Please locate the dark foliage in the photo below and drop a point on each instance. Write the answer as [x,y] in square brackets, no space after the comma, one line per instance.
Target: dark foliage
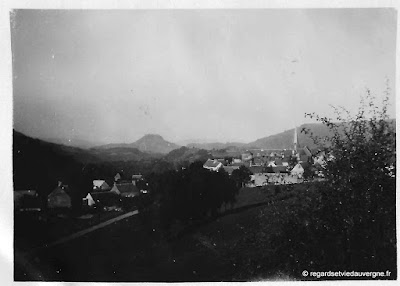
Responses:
[351,222]
[191,194]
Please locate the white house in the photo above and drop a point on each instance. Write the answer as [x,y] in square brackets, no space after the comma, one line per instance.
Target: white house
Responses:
[212,165]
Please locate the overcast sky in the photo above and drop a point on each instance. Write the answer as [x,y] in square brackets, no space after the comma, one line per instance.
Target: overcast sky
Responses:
[226,75]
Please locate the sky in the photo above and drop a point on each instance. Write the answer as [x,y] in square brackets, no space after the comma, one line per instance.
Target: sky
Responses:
[111,76]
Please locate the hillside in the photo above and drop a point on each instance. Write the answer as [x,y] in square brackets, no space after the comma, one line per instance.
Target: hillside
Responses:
[215,145]
[121,154]
[39,164]
[187,154]
[74,142]
[284,140]
[150,143]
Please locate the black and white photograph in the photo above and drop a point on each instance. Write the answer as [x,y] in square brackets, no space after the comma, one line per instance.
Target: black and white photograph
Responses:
[202,144]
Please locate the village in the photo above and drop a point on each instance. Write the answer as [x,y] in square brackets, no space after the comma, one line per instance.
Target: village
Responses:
[267,167]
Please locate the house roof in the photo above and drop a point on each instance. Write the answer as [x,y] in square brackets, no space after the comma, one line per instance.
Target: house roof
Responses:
[211,163]
[304,164]
[137,177]
[278,161]
[237,164]
[279,169]
[304,152]
[98,183]
[256,169]
[230,169]
[127,188]
[287,153]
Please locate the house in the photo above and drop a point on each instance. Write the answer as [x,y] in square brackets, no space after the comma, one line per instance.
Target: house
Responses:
[230,169]
[88,200]
[117,177]
[100,185]
[297,171]
[59,198]
[27,200]
[212,165]
[260,179]
[236,160]
[127,190]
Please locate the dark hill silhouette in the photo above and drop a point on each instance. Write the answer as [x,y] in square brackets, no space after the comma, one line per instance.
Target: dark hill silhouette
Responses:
[187,154]
[39,165]
[284,140]
[150,143]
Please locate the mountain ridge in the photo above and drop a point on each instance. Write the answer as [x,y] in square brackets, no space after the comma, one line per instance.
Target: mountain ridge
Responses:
[149,143]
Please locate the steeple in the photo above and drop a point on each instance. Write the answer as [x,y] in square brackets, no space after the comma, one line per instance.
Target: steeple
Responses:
[295,140]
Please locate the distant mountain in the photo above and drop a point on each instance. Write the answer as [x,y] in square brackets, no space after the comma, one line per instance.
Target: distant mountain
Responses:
[150,143]
[215,145]
[284,140]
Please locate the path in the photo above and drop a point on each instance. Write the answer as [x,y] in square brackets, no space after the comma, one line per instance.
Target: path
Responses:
[86,231]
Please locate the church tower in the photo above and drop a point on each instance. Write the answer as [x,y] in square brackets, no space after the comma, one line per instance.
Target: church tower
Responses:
[295,143]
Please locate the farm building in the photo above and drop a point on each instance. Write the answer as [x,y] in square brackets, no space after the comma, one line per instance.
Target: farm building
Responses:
[59,198]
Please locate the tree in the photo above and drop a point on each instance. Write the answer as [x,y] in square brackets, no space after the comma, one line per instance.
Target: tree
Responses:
[241,176]
[358,197]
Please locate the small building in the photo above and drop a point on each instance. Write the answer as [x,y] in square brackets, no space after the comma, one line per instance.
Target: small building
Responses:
[101,185]
[127,190]
[88,200]
[212,165]
[27,200]
[117,177]
[59,198]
